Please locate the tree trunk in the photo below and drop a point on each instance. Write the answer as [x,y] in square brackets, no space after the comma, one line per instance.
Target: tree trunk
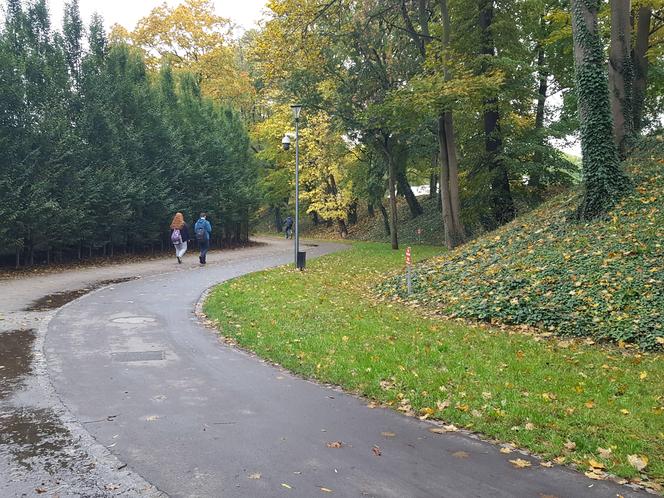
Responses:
[18,256]
[370,209]
[604,180]
[640,66]
[433,185]
[621,74]
[500,197]
[391,185]
[407,192]
[343,229]
[449,186]
[386,219]
[542,74]
[352,213]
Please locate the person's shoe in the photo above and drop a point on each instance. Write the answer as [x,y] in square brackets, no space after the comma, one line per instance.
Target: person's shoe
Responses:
[179,260]
[200,260]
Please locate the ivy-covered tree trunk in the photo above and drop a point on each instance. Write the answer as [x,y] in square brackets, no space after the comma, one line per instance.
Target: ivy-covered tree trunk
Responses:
[604,180]
[640,62]
[501,203]
[621,74]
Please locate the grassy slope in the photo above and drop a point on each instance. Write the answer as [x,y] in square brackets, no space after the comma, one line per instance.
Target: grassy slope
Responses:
[564,401]
[603,279]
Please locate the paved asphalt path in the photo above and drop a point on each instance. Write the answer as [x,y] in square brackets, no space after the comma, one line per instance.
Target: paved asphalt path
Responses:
[195,417]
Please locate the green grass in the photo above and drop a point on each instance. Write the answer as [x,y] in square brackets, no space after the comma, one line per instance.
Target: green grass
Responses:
[536,393]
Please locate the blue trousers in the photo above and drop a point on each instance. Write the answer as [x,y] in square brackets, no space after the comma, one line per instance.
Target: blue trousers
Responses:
[204,247]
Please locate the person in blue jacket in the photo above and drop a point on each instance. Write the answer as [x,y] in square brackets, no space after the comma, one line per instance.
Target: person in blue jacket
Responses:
[203,231]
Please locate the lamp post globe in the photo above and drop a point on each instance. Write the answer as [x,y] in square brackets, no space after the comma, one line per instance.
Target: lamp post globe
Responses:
[285,142]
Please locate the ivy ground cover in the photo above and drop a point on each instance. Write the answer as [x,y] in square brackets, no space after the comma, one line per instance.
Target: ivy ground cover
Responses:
[602,279]
[598,408]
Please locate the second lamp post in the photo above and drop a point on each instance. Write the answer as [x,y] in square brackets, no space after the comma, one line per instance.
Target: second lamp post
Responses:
[300,257]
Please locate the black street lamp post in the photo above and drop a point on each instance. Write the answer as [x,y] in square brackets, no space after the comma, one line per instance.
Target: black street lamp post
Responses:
[300,257]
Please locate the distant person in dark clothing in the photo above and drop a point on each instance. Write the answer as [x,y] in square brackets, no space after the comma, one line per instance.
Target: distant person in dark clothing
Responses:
[288,227]
[179,236]
[203,230]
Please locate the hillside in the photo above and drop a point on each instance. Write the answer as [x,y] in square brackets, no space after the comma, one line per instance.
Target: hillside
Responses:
[602,279]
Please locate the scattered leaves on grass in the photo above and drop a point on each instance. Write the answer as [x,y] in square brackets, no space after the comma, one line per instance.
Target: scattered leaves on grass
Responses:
[605,452]
[639,462]
[595,474]
[520,463]
[570,445]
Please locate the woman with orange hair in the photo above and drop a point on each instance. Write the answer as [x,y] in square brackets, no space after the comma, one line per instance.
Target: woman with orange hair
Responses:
[179,236]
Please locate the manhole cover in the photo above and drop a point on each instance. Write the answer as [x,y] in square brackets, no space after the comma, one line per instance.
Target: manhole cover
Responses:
[126,356]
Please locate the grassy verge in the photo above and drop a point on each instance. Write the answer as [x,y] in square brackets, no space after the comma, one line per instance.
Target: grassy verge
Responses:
[562,399]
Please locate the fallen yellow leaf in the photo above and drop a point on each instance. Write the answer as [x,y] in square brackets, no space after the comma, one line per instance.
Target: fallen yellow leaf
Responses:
[519,463]
[326,490]
[639,462]
[605,452]
[595,464]
[570,445]
[388,434]
[643,375]
[444,429]
[590,404]
[286,485]
[593,475]
[505,450]
[624,411]
[255,475]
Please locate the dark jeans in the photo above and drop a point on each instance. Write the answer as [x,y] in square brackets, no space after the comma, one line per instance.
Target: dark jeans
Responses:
[204,247]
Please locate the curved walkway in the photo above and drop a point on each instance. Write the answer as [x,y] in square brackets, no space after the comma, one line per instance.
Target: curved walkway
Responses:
[195,417]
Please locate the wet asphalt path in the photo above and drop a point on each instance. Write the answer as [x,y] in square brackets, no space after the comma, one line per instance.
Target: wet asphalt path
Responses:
[195,417]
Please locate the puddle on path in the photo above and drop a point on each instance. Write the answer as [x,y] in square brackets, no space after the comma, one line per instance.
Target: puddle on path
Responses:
[15,359]
[54,301]
[35,437]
